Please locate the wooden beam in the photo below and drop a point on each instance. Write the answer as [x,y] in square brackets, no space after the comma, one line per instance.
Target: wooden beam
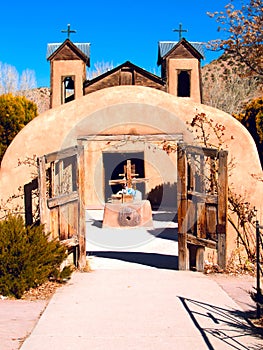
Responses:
[43,208]
[201,242]
[183,262]
[202,197]
[65,153]
[63,199]
[81,208]
[222,208]
[148,137]
[197,150]
[71,242]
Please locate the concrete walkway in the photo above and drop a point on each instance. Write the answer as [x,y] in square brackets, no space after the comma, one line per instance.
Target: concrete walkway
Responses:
[142,309]
[136,299]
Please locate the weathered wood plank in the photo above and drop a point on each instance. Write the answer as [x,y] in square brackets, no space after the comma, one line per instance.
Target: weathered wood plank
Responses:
[63,222]
[182,209]
[211,220]
[65,153]
[43,208]
[201,220]
[197,150]
[200,181]
[81,208]
[63,199]
[70,242]
[202,197]
[222,207]
[191,217]
[201,242]
[54,222]
[191,174]
[149,137]
[73,219]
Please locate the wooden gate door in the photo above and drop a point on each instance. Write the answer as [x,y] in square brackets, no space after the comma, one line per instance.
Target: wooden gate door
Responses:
[202,204]
[61,193]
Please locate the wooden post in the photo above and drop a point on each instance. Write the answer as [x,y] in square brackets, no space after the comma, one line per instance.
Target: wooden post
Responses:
[182,209]
[222,209]
[81,207]
[43,208]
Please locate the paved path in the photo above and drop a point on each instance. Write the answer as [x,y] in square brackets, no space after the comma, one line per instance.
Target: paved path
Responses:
[136,299]
[142,309]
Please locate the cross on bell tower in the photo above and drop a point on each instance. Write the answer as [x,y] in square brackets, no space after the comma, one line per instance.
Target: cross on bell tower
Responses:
[69,31]
[180,31]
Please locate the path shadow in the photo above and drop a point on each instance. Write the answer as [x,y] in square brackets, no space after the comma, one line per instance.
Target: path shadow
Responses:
[97,223]
[165,215]
[165,233]
[230,326]
[160,261]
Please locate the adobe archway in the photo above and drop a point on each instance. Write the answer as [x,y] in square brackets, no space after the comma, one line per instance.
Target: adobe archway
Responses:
[121,110]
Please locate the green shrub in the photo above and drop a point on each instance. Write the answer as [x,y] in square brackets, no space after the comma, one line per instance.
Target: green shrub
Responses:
[27,257]
[15,113]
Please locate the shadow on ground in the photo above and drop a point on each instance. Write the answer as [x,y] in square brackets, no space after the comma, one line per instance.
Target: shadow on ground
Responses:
[160,261]
[230,326]
[165,233]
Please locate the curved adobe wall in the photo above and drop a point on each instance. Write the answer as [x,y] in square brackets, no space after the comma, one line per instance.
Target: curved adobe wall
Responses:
[126,109]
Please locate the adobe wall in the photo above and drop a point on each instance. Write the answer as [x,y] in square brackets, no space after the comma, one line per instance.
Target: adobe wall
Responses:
[124,110]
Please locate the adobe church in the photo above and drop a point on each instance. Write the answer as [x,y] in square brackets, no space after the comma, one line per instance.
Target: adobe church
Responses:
[129,123]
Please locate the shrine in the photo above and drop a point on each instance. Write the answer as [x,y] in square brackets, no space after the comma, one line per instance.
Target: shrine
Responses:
[104,136]
[126,208]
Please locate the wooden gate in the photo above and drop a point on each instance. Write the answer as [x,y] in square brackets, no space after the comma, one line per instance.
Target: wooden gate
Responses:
[202,204]
[61,194]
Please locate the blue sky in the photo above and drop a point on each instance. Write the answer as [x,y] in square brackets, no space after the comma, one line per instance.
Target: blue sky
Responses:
[118,31]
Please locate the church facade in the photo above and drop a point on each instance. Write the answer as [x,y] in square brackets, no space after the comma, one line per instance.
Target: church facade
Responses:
[95,126]
[180,71]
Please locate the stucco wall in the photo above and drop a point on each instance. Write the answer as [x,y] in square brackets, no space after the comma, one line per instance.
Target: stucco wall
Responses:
[124,110]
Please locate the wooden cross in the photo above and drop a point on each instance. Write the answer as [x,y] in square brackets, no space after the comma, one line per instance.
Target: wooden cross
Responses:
[180,31]
[68,31]
[129,173]
[129,176]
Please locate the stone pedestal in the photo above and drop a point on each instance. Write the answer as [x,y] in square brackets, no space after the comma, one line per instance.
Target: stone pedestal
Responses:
[127,215]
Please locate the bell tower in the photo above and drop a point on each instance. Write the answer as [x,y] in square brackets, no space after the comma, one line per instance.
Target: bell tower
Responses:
[68,63]
[181,68]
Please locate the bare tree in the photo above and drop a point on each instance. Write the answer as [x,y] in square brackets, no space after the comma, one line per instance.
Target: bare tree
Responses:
[244,34]
[10,81]
[8,78]
[100,68]
[27,80]
[226,90]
